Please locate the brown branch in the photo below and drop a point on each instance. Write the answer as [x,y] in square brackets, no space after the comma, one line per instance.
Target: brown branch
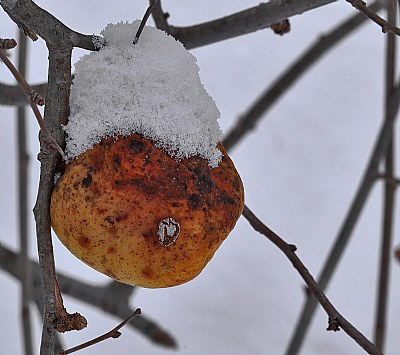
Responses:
[386,26]
[248,121]
[238,24]
[112,298]
[335,320]
[113,333]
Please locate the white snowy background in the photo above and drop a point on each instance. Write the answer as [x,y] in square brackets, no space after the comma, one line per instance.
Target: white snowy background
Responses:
[300,169]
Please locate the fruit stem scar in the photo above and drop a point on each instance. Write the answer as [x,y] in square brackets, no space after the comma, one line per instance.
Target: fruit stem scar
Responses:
[168,231]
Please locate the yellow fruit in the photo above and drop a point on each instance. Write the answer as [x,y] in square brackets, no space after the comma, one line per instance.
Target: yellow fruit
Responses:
[130,211]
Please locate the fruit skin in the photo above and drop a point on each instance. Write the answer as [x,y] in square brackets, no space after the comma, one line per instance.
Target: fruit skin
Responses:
[108,205]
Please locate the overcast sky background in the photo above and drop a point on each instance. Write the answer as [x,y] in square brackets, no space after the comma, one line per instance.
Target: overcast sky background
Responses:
[300,169]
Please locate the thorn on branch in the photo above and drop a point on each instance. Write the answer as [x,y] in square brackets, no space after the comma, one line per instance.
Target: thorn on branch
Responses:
[7,43]
[281,28]
[37,98]
[333,325]
[64,321]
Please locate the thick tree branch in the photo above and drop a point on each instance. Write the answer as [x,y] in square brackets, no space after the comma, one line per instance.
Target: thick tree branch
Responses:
[114,298]
[336,320]
[238,24]
[248,121]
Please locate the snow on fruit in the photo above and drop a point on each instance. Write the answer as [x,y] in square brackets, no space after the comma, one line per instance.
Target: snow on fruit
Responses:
[149,193]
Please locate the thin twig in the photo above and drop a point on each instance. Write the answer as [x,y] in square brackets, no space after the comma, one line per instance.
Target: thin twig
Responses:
[51,143]
[26,275]
[248,121]
[386,26]
[390,188]
[336,320]
[144,20]
[113,333]
[343,236]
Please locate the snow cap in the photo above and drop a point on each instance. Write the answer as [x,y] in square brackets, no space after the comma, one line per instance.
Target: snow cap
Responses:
[152,88]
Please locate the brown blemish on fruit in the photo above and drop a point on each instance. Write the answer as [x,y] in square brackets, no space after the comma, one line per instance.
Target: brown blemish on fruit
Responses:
[84,241]
[136,146]
[194,201]
[87,181]
[111,250]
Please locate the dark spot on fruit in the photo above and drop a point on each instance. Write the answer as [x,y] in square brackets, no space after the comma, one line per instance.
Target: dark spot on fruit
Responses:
[149,234]
[117,161]
[136,146]
[84,241]
[148,272]
[210,228]
[226,199]
[121,217]
[111,250]
[194,201]
[109,220]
